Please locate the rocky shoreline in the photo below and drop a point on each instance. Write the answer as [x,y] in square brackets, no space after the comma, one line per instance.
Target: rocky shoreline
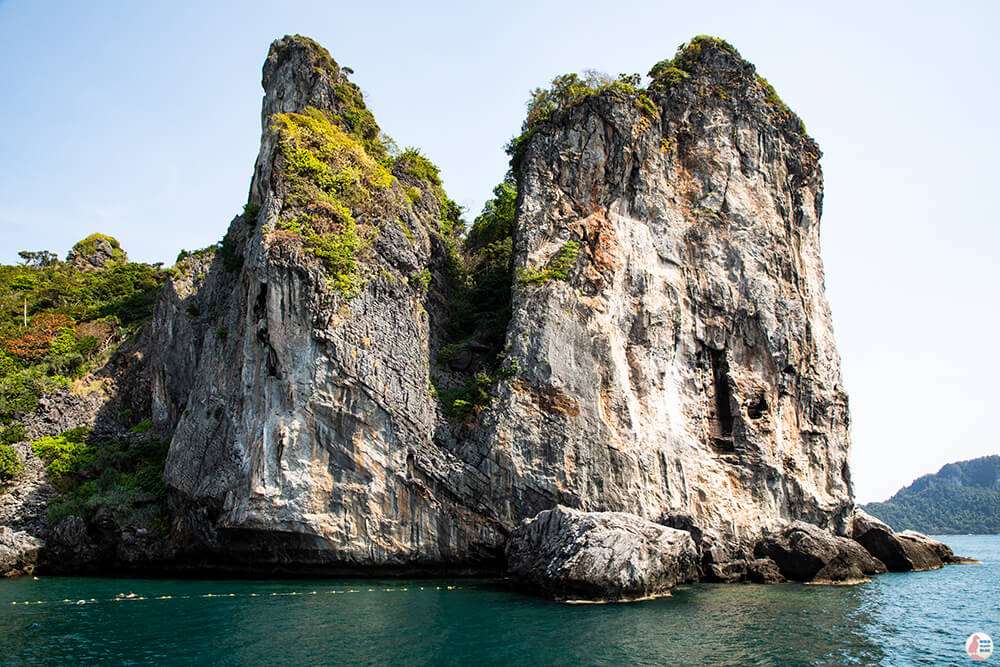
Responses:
[656,400]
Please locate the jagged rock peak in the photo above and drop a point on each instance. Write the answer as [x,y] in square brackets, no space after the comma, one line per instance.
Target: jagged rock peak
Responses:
[714,70]
[299,74]
[95,252]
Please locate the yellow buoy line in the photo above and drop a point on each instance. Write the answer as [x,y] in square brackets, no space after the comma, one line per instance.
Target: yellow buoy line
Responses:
[132,597]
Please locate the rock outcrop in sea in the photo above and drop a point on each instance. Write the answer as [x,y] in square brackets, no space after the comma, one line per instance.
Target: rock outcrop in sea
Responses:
[667,405]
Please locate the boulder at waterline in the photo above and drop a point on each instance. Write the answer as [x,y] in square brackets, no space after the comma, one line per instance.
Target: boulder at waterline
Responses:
[804,552]
[599,555]
[18,552]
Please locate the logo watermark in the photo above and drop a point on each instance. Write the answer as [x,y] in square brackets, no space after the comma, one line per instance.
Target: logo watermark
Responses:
[979,646]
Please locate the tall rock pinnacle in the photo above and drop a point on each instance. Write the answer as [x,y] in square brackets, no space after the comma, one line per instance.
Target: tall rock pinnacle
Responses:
[670,352]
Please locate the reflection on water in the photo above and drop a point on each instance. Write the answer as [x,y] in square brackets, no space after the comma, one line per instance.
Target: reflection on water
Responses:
[900,619]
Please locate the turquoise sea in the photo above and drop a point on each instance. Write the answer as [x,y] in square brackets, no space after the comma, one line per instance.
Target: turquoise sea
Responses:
[897,619]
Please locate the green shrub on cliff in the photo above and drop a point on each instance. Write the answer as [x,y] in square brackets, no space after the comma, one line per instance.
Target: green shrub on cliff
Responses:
[556,268]
[479,305]
[64,455]
[120,479]
[329,173]
[10,463]
[567,91]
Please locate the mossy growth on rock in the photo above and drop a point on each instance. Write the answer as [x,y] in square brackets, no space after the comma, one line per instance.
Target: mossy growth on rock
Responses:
[328,175]
[352,114]
[97,251]
[556,268]
[685,61]
[689,58]
[568,91]
[89,245]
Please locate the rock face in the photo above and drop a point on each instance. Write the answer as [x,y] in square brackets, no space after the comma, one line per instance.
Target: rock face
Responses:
[18,552]
[95,252]
[903,551]
[880,541]
[303,422]
[600,555]
[690,346]
[804,552]
[684,364]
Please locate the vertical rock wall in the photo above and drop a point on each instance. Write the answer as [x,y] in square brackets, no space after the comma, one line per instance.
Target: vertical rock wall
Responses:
[302,416]
[687,362]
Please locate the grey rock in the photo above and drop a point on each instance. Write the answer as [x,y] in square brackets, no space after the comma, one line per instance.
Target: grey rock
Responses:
[880,541]
[306,436]
[763,571]
[103,254]
[686,365]
[70,548]
[18,552]
[804,552]
[926,553]
[903,551]
[691,336]
[599,555]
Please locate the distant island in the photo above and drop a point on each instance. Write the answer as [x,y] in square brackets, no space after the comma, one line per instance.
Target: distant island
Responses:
[962,497]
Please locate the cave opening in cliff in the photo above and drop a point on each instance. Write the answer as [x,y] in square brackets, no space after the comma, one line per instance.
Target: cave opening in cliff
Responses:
[722,423]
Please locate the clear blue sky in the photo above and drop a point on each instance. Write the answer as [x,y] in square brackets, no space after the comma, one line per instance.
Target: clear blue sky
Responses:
[142,120]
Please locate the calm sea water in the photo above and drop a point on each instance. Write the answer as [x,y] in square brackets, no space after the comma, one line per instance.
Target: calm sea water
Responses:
[897,619]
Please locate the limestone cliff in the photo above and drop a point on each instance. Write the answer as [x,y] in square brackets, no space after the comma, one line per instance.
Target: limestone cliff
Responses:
[686,363]
[294,371]
[670,351]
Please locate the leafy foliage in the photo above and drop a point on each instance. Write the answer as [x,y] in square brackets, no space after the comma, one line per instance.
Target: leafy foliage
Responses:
[415,164]
[121,479]
[72,316]
[557,268]
[10,463]
[480,302]
[328,174]
[960,498]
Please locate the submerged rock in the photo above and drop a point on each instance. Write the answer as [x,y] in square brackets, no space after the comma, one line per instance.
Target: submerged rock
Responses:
[804,552]
[599,555]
